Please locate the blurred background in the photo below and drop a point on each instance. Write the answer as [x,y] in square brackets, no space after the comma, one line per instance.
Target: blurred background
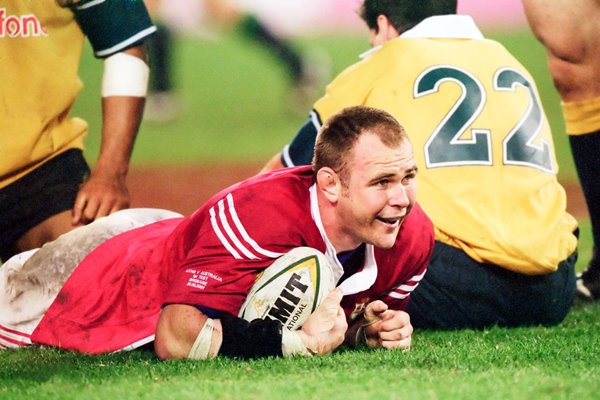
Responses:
[234,95]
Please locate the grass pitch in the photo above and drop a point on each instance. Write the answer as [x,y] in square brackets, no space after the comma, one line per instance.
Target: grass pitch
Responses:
[527,363]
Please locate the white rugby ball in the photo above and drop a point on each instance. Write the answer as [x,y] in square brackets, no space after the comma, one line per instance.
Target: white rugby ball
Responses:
[290,289]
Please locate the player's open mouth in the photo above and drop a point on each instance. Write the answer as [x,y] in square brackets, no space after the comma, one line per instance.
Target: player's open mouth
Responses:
[392,222]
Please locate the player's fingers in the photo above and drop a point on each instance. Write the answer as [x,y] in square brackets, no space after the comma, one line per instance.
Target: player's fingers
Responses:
[389,314]
[333,299]
[403,344]
[78,207]
[88,214]
[331,304]
[340,323]
[121,203]
[374,311]
[376,307]
[325,316]
[396,334]
[104,208]
[115,208]
[393,319]
[101,212]
[338,330]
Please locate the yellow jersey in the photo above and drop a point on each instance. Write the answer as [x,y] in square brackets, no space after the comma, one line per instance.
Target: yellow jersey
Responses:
[40,49]
[482,142]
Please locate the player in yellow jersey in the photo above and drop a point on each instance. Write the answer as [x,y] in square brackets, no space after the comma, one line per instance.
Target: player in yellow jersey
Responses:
[571,34]
[505,246]
[46,187]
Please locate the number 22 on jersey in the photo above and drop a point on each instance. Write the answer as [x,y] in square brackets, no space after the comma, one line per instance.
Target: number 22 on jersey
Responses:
[446,146]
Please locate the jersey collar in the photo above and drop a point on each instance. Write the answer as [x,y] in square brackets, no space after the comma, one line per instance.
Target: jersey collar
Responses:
[439,27]
[361,280]
[445,27]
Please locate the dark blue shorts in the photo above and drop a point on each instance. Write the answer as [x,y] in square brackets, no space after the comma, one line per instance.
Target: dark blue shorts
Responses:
[44,192]
[458,292]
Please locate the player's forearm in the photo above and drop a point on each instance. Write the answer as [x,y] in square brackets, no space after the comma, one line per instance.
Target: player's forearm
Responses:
[185,332]
[120,124]
[124,85]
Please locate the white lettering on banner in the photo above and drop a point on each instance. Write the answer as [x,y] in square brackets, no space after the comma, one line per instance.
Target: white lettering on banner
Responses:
[20,26]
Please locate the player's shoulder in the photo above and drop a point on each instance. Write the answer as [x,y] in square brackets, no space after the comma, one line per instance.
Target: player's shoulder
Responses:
[268,208]
[286,181]
[282,191]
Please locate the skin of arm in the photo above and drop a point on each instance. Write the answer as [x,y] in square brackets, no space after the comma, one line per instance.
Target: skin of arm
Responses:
[273,164]
[106,191]
[179,325]
[573,59]
[177,329]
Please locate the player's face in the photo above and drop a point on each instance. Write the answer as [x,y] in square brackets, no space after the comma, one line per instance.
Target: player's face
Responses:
[380,191]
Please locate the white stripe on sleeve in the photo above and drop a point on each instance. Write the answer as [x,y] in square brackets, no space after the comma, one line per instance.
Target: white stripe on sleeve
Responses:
[404,290]
[90,4]
[287,160]
[244,233]
[120,46]
[232,236]
[215,225]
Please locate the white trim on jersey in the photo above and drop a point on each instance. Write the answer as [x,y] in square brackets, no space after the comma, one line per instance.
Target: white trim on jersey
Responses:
[244,233]
[438,27]
[137,344]
[229,231]
[314,117]
[120,46]
[90,4]
[404,290]
[365,278]
[232,240]
[445,27]
[285,153]
[287,160]
[330,251]
[10,338]
[215,225]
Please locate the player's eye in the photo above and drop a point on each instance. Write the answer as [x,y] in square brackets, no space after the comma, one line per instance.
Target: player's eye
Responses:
[408,179]
[383,182]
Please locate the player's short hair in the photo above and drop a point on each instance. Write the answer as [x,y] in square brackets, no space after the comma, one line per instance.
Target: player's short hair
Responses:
[340,132]
[404,14]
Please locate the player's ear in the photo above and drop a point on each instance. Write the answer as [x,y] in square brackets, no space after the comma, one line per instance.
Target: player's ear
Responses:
[385,29]
[328,182]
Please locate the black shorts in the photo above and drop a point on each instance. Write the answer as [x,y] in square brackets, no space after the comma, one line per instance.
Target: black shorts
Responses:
[44,192]
[458,292]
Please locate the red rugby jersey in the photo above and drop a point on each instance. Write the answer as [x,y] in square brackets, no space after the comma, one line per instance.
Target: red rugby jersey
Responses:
[212,258]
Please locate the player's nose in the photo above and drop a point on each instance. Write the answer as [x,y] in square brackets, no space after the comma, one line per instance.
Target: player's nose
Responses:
[399,196]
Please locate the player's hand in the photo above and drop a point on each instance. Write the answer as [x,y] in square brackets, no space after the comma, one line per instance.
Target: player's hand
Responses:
[101,195]
[325,329]
[386,328]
